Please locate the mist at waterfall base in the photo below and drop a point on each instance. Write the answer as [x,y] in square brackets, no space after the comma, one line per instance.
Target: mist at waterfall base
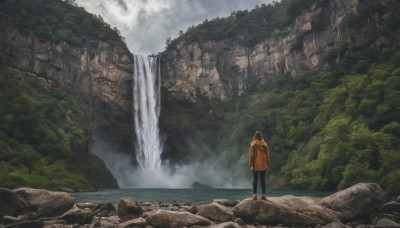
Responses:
[151,171]
[208,172]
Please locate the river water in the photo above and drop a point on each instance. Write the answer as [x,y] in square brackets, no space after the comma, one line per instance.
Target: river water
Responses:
[189,195]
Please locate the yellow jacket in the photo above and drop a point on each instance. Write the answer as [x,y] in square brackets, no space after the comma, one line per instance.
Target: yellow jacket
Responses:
[259,155]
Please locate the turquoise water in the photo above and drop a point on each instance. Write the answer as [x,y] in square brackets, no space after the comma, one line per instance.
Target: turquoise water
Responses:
[194,196]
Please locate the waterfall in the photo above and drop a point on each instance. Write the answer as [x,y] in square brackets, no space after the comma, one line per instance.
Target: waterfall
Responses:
[151,173]
[146,110]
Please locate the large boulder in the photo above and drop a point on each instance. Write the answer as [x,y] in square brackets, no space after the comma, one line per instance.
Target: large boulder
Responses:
[104,210]
[171,219]
[216,212]
[356,201]
[307,205]
[129,208]
[267,212]
[10,203]
[76,215]
[46,203]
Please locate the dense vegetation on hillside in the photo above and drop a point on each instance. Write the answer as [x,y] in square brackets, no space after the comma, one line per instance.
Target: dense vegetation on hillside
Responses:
[327,131]
[56,20]
[248,27]
[44,138]
[45,134]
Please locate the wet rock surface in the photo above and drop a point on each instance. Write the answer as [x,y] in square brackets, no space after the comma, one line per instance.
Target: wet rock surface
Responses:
[364,205]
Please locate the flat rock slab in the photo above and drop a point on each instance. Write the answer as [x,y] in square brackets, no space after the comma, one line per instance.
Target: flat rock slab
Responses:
[138,222]
[46,203]
[162,218]
[216,212]
[268,213]
[227,225]
[307,205]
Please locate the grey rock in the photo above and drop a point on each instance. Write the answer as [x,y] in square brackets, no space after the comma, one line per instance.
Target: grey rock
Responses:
[46,203]
[7,220]
[86,205]
[390,207]
[216,212]
[227,225]
[307,205]
[27,224]
[365,226]
[104,210]
[356,201]
[335,225]
[192,209]
[129,208]
[138,222]
[76,215]
[240,221]
[267,212]
[385,222]
[10,203]
[163,218]
[111,221]
[54,223]
[226,202]
[26,217]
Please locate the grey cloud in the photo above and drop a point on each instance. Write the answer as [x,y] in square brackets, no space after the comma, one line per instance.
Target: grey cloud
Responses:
[149,28]
[123,4]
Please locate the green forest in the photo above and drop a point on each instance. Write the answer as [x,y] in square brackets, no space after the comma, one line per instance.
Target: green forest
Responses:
[250,27]
[45,133]
[57,21]
[44,138]
[326,131]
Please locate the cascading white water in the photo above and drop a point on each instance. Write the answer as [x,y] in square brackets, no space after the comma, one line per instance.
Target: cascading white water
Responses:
[149,146]
[146,110]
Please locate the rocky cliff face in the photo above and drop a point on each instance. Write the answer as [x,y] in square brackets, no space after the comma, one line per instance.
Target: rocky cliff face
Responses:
[100,74]
[221,70]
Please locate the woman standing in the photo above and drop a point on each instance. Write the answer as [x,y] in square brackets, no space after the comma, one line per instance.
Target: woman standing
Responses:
[259,162]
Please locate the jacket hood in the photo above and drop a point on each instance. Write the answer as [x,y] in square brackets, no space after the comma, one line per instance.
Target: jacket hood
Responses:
[258,142]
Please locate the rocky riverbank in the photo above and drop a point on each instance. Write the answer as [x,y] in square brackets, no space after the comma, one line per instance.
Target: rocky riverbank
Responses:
[362,205]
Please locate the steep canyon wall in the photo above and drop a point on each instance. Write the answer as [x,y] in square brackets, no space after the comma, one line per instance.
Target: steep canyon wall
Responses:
[220,70]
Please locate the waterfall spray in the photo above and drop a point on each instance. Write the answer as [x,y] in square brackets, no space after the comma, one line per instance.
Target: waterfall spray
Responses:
[151,173]
[146,110]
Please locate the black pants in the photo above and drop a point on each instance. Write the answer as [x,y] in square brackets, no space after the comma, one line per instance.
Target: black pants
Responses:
[255,181]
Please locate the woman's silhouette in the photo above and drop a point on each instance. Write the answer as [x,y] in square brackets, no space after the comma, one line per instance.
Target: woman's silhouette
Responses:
[259,162]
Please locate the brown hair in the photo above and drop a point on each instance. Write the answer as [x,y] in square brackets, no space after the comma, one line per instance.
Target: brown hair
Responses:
[258,136]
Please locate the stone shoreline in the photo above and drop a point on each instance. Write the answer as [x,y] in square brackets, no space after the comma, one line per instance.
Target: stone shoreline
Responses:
[363,205]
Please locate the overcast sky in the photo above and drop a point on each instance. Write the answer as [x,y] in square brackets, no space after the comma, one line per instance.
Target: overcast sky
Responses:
[146,24]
